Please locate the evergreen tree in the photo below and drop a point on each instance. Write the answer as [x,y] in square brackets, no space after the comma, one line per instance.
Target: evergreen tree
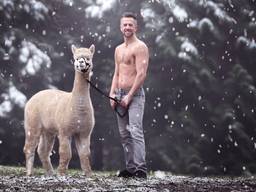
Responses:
[210,115]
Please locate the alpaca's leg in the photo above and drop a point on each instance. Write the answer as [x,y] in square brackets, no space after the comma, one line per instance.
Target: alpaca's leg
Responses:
[83,148]
[64,153]
[31,142]
[44,149]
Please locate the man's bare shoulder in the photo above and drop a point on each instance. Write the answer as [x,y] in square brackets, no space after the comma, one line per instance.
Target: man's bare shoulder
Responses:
[141,45]
[119,46]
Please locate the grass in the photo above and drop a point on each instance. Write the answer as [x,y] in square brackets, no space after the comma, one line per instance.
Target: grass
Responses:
[10,170]
[38,171]
[21,171]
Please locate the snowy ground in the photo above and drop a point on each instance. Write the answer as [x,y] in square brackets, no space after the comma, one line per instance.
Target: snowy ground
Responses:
[13,179]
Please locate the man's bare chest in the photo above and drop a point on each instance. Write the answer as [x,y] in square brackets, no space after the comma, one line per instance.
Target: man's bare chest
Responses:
[126,56]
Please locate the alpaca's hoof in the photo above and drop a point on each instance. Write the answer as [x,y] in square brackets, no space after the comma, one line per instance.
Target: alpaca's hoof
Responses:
[49,173]
[87,173]
[29,173]
[61,173]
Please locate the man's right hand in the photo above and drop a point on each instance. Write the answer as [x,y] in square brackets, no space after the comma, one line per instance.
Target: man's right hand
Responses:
[112,102]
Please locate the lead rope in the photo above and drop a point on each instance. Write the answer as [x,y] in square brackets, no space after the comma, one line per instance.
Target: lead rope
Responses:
[112,98]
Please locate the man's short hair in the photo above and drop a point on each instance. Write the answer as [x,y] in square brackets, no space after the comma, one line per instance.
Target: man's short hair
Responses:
[129,14]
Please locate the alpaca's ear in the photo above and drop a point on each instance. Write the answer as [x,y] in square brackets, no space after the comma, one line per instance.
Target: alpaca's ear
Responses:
[73,48]
[92,49]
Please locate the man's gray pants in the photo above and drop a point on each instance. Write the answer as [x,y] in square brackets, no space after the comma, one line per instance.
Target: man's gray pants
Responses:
[131,131]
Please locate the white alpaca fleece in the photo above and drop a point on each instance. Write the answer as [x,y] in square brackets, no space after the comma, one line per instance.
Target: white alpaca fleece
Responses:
[51,113]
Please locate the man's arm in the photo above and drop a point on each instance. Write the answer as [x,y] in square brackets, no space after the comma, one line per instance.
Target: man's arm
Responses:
[114,84]
[141,63]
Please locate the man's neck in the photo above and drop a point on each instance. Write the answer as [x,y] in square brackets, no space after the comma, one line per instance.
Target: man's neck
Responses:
[129,40]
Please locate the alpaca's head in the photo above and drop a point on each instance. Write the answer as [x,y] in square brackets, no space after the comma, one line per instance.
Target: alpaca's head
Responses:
[83,58]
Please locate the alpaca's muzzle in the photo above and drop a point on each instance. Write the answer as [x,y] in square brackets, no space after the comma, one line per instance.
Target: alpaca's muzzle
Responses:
[82,65]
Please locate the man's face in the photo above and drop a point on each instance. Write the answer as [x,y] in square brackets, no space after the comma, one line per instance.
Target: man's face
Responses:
[128,26]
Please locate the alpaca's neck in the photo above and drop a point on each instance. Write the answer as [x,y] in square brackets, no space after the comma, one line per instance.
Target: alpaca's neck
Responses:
[81,86]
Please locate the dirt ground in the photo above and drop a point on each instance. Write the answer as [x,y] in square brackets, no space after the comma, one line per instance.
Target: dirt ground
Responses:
[13,179]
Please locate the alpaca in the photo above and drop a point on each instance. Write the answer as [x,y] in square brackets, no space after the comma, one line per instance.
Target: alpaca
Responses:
[51,113]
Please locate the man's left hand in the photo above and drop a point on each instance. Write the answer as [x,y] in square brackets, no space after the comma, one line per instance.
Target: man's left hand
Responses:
[126,101]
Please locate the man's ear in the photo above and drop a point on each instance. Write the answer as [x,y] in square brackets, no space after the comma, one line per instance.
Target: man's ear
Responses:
[136,28]
[73,48]
[92,48]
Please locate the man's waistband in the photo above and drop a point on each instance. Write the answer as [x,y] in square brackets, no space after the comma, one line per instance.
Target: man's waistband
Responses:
[125,91]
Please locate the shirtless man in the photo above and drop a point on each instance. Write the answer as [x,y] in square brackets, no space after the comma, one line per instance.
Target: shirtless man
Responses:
[131,63]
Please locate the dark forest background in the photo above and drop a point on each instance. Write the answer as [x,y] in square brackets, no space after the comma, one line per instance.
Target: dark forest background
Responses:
[200,90]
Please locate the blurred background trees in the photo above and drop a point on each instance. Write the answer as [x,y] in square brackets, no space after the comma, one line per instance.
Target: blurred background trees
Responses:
[201,98]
